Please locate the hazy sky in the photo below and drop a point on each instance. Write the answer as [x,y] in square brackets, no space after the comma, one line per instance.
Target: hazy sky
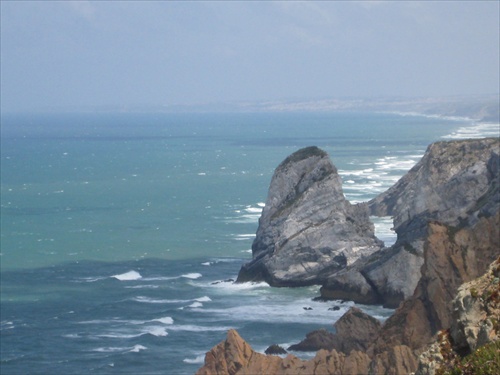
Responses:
[80,54]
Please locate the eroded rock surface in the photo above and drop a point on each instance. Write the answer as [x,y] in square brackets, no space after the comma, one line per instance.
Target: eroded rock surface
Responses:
[355,330]
[456,246]
[308,230]
[454,184]
[474,323]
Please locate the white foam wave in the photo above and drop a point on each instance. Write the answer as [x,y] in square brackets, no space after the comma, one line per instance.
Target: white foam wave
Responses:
[476,130]
[128,276]
[195,305]
[143,299]
[122,334]
[198,360]
[110,349]
[137,348]
[156,331]
[244,237]
[384,229]
[118,335]
[231,286]
[195,328]
[147,286]
[165,320]
[203,299]
[192,275]
[113,349]
[255,210]
[90,279]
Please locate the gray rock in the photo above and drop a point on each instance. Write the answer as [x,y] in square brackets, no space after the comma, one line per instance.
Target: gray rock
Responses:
[308,230]
[455,183]
[445,185]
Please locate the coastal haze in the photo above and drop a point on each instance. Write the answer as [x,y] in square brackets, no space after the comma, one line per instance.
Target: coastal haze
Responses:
[86,55]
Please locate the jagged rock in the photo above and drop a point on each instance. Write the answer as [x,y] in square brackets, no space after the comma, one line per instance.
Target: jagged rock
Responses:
[314,341]
[307,230]
[445,184]
[476,310]
[452,256]
[475,304]
[355,330]
[235,356]
[457,246]
[453,180]
[397,360]
[275,349]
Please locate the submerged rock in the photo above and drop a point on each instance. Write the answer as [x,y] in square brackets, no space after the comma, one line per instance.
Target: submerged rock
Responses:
[308,230]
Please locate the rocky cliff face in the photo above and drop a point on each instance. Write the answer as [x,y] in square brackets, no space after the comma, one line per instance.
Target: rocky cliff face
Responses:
[355,330]
[307,230]
[235,356]
[456,246]
[474,323]
[447,186]
[395,347]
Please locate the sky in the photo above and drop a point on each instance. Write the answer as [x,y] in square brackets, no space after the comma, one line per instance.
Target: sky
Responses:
[73,55]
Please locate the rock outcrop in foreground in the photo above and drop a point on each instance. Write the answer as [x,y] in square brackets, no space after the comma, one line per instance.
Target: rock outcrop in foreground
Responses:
[457,241]
[308,230]
[475,323]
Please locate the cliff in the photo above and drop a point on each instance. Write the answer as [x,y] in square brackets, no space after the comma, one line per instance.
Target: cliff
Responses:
[308,230]
[476,313]
[474,324]
[452,223]
[447,186]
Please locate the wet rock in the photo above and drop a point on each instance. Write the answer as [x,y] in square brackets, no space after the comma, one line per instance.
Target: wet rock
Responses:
[275,349]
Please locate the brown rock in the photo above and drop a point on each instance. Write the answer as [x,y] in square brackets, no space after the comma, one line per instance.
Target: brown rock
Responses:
[355,330]
[399,359]
[314,341]
[235,356]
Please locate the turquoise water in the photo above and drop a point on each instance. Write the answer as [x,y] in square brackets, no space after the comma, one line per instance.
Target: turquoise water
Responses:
[120,232]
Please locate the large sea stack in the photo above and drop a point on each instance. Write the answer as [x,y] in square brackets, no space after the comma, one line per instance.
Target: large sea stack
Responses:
[308,230]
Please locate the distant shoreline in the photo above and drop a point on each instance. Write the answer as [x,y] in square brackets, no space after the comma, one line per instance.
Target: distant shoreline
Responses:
[483,108]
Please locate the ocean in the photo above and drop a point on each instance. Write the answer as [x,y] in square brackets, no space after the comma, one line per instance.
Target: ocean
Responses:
[121,234]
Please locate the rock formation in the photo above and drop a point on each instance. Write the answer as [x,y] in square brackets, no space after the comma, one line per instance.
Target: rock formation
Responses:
[355,330]
[308,230]
[235,356]
[474,323]
[446,186]
[456,240]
